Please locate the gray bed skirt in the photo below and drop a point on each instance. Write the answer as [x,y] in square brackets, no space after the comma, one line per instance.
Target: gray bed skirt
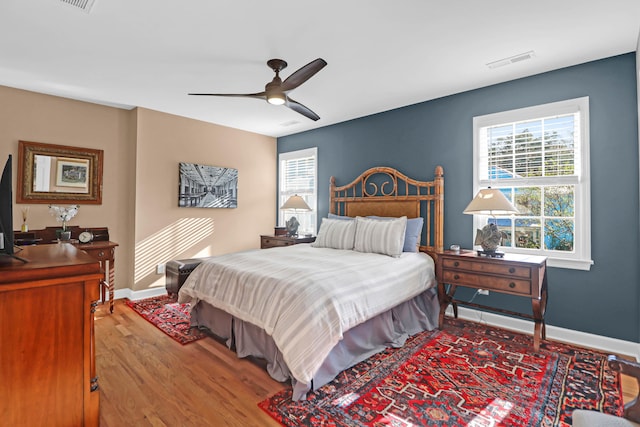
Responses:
[389,329]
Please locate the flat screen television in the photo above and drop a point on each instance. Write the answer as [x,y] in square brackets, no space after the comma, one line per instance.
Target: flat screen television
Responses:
[6,210]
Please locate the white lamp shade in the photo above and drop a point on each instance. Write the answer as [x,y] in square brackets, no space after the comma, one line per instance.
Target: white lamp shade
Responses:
[295,202]
[490,201]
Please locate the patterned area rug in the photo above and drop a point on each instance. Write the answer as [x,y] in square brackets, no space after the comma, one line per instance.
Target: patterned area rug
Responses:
[167,315]
[466,375]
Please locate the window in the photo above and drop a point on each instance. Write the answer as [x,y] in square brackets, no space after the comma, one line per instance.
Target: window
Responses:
[539,158]
[298,175]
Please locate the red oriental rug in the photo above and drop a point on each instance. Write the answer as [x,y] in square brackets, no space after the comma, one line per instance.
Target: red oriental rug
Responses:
[465,375]
[166,314]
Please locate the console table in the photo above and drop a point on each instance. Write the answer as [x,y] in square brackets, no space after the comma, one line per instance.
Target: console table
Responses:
[101,249]
[520,275]
[47,362]
[105,253]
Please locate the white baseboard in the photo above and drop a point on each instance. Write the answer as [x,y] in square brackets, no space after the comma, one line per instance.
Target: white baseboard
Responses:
[136,295]
[570,336]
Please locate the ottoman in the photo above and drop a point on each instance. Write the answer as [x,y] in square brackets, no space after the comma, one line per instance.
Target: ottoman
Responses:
[177,271]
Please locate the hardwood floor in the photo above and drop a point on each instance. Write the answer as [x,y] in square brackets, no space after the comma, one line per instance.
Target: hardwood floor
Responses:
[148,379]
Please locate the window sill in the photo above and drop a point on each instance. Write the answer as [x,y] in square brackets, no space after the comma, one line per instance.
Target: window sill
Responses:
[574,264]
[555,262]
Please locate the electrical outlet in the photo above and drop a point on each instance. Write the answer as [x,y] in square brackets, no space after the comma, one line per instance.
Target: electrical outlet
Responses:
[160,269]
[483,292]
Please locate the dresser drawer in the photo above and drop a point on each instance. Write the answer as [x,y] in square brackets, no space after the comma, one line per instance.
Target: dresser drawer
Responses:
[503,284]
[485,267]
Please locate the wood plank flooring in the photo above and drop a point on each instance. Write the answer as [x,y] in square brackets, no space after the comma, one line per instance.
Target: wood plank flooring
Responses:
[148,379]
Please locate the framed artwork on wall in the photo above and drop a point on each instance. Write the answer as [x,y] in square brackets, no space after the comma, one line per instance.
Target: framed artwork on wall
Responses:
[204,186]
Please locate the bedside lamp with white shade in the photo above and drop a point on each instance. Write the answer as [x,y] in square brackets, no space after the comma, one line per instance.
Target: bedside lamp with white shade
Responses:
[294,203]
[490,201]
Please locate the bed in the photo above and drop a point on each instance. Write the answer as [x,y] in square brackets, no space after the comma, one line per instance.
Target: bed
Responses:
[312,310]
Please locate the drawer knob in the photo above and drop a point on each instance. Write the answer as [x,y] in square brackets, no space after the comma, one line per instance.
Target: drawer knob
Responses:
[456,264]
[512,285]
[101,253]
[512,270]
[456,277]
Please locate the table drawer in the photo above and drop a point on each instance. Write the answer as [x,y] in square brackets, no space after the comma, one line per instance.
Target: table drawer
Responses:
[100,254]
[272,243]
[486,267]
[503,284]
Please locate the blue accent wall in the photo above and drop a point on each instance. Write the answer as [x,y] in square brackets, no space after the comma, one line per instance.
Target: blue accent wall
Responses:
[414,139]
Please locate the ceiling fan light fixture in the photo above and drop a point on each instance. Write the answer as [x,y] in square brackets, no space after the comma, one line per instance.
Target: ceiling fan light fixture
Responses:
[276,98]
[275,92]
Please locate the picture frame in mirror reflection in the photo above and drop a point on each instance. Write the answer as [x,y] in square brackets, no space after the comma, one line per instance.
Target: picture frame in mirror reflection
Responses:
[72,173]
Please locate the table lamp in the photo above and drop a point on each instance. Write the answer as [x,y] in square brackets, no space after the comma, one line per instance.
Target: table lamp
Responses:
[491,202]
[294,203]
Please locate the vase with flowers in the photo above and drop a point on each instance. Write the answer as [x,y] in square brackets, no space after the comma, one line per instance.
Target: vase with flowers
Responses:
[63,214]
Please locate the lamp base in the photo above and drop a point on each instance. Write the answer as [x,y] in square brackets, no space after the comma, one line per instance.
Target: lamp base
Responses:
[491,254]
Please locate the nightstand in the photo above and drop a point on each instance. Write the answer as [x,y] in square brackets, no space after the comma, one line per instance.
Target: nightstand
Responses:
[520,275]
[276,241]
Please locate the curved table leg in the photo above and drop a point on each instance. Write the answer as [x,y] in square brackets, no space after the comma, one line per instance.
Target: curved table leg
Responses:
[445,299]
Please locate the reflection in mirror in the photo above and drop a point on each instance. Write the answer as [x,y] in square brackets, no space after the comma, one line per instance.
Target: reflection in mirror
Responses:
[59,173]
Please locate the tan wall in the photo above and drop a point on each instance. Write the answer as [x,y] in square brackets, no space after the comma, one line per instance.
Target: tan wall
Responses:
[142,149]
[163,230]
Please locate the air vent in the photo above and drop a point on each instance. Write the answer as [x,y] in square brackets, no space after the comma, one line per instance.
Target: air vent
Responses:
[84,5]
[511,60]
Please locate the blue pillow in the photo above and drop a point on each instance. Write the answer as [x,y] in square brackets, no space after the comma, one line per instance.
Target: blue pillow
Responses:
[412,233]
[334,216]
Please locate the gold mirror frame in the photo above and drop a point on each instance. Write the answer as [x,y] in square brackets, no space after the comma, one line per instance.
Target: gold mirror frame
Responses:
[86,158]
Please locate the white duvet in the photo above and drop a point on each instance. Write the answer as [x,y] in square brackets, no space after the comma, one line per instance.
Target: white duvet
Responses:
[305,298]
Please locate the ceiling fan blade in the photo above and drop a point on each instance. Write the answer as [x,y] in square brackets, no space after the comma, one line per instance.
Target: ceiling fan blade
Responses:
[299,108]
[259,95]
[303,74]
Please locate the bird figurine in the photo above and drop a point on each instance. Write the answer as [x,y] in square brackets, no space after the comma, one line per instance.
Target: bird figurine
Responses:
[490,237]
[292,226]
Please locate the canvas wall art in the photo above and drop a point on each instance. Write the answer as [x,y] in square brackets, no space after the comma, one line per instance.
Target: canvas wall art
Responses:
[204,186]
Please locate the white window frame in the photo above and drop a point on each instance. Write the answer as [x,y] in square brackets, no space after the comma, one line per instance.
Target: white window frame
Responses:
[580,258]
[312,200]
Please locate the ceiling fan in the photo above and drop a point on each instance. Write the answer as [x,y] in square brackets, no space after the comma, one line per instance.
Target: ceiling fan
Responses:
[275,92]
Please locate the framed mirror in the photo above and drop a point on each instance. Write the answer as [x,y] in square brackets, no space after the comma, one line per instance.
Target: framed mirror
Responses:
[49,173]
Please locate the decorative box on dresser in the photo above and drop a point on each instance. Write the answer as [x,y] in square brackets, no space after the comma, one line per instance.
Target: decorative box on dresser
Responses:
[520,275]
[47,351]
[275,241]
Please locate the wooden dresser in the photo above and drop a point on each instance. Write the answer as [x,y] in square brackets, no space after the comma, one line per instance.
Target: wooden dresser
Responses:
[47,351]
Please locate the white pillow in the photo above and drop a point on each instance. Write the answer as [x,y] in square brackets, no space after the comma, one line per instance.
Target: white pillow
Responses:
[381,236]
[335,234]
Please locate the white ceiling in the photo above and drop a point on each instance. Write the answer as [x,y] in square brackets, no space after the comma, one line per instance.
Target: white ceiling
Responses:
[381,54]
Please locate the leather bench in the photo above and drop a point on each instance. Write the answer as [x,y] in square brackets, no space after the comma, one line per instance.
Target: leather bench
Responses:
[177,271]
